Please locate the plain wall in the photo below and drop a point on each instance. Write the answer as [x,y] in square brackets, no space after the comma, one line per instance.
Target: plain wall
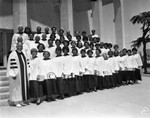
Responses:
[81,16]
[108,24]
[43,13]
[6,14]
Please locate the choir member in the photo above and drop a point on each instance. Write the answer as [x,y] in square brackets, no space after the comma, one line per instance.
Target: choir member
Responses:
[48,76]
[51,48]
[41,49]
[89,71]
[47,32]
[38,32]
[98,68]
[139,64]
[36,85]
[44,40]
[83,61]
[21,34]
[66,70]
[130,62]
[58,72]
[75,69]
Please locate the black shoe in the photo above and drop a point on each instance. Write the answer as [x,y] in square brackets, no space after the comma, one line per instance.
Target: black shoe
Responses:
[52,98]
[38,102]
[95,90]
[62,97]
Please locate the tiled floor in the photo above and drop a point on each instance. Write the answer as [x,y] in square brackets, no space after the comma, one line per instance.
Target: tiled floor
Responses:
[132,101]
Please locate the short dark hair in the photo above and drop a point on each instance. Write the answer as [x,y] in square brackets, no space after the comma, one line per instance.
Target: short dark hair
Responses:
[65,48]
[89,51]
[134,49]
[40,45]
[83,50]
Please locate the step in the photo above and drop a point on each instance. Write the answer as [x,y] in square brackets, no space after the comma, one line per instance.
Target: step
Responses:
[4,89]
[4,96]
[4,102]
[4,83]
[4,78]
[2,72]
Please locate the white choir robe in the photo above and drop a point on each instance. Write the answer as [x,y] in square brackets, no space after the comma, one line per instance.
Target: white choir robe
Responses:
[90,66]
[117,66]
[75,67]
[66,65]
[70,50]
[26,50]
[40,55]
[83,63]
[31,44]
[45,43]
[48,36]
[46,69]
[107,69]
[122,63]
[79,50]
[130,62]
[52,51]
[74,39]
[58,64]
[138,59]
[34,67]
[95,36]
[56,35]
[114,64]
[15,37]
[18,87]
[104,51]
[98,65]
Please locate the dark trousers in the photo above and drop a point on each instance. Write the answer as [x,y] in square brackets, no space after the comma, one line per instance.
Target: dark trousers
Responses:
[66,86]
[72,86]
[138,74]
[50,87]
[131,76]
[108,81]
[60,86]
[100,82]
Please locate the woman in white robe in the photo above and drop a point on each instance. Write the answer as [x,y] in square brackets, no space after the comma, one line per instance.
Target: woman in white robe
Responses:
[139,64]
[48,76]
[98,68]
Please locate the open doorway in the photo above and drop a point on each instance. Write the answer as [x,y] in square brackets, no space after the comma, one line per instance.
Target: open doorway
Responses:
[1,49]
[5,45]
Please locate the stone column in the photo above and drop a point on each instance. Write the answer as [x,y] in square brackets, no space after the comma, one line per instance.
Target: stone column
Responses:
[97,17]
[19,13]
[66,15]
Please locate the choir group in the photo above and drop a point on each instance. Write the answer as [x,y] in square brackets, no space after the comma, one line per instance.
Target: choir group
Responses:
[63,66]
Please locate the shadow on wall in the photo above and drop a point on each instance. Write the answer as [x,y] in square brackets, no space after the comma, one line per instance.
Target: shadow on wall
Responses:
[6,7]
[45,12]
[80,15]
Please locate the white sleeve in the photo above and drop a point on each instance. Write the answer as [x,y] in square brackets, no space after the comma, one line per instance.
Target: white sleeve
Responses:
[12,68]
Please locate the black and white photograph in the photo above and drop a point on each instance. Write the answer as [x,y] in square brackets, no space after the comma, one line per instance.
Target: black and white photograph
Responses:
[74,58]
